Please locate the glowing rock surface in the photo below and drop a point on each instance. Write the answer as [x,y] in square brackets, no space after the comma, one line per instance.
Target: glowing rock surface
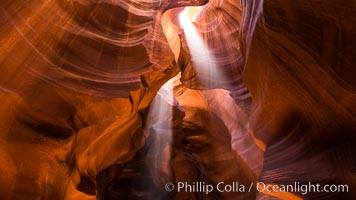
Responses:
[113,99]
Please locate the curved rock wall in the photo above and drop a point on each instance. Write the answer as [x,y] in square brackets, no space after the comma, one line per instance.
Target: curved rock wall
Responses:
[299,63]
[83,116]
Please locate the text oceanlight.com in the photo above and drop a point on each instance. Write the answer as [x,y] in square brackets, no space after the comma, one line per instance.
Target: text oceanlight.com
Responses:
[296,187]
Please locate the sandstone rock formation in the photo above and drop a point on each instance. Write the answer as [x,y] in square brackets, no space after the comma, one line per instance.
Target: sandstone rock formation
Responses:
[114,99]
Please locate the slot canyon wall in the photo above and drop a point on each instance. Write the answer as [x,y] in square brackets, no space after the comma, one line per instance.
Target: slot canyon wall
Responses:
[114,99]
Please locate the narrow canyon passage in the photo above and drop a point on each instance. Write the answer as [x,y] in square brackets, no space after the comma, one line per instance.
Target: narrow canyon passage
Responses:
[177,99]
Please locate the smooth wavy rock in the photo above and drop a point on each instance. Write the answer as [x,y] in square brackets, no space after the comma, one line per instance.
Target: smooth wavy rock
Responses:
[299,63]
[218,26]
[89,109]
[93,47]
[75,75]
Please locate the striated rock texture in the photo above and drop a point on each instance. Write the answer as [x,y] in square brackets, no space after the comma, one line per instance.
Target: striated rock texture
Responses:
[300,71]
[77,78]
[113,99]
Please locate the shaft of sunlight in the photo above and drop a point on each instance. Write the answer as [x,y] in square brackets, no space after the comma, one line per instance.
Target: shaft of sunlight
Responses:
[201,56]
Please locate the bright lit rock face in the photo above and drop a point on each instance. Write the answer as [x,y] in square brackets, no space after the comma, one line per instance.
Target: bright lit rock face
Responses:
[113,99]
